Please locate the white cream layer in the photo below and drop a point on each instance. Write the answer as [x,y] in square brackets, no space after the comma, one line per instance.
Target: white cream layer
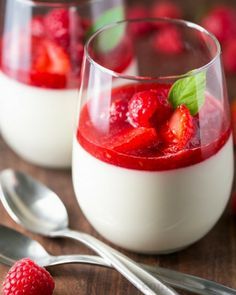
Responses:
[153,212]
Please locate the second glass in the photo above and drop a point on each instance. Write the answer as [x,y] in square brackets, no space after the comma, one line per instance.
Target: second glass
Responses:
[41,52]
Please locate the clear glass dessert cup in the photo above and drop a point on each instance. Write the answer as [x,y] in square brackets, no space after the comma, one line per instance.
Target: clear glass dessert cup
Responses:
[41,51]
[152,152]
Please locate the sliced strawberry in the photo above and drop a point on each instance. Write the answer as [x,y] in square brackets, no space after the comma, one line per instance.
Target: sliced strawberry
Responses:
[168,40]
[50,64]
[221,21]
[118,111]
[142,27]
[179,129]
[50,58]
[133,139]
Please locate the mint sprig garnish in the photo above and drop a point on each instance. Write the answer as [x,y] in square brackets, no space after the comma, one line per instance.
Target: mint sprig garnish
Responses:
[189,91]
[111,37]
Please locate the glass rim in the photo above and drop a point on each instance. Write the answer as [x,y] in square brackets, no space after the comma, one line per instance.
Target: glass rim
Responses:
[59,3]
[188,24]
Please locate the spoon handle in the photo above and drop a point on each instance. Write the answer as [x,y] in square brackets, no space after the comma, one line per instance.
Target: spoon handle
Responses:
[174,278]
[137,275]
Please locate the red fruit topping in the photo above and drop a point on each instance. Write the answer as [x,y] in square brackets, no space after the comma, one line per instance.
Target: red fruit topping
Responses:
[26,277]
[50,65]
[118,111]
[142,27]
[37,26]
[50,58]
[221,21]
[133,139]
[166,9]
[229,54]
[168,40]
[179,129]
[141,108]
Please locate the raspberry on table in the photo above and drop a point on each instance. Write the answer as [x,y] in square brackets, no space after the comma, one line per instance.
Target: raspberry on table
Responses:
[27,278]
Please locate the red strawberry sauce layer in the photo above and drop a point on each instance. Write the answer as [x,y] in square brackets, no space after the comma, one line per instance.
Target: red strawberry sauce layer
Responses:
[149,143]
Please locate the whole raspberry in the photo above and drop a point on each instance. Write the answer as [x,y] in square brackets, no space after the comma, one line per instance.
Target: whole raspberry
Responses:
[141,108]
[62,25]
[27,278]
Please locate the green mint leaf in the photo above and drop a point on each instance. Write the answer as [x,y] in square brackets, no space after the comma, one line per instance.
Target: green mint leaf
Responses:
[111,37]
[189,91]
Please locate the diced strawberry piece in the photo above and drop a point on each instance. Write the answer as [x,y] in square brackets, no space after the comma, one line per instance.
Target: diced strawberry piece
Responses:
[141,108]
[50,64]
[50,58]
[118,111]
[179,129]
[37,26]
[166,9]
[221,21]
[168,40]
[229,54]
[142,27]
[133,139]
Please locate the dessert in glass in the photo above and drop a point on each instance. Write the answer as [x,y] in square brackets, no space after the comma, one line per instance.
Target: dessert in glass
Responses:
[41,51]
[152,152]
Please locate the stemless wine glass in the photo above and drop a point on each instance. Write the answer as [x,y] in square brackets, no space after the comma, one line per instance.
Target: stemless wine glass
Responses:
[152,152]
[41,51]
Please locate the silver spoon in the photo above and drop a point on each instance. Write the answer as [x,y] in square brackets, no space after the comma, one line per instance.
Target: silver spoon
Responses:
[37,208]
[15,246]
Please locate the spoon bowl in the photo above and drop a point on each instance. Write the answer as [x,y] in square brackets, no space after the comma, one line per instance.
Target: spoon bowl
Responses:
[15,246]
[31,203]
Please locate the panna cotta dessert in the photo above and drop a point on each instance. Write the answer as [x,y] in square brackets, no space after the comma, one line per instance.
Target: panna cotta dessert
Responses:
[153,155]
[40,64]
[160,178]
